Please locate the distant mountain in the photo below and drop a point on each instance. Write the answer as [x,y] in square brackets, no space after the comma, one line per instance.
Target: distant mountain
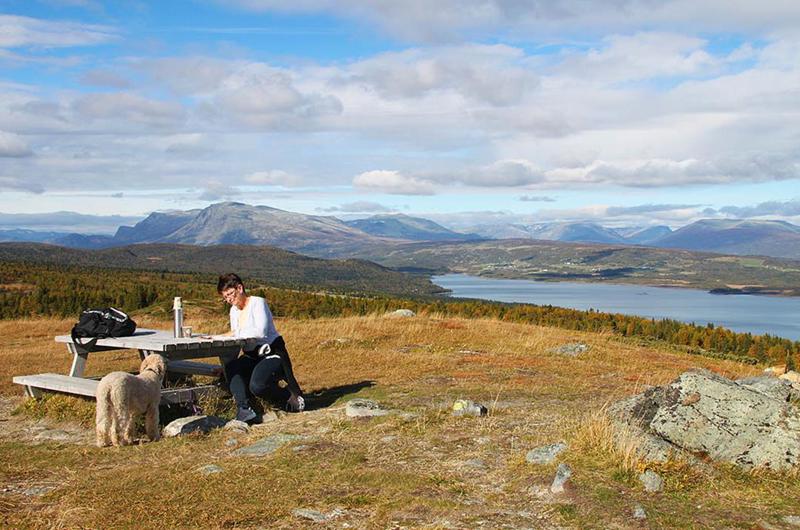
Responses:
[565,231]
[154,227]
[644,236]
[402,226]
[56,238]
[22,234]
[743,237]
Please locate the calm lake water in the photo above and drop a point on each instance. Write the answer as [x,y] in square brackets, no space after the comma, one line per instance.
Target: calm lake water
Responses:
[756,314]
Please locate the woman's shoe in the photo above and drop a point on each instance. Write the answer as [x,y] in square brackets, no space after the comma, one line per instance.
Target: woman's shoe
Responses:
[246,414]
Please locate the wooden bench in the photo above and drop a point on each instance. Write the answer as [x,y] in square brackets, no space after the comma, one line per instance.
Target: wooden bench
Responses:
[34,384]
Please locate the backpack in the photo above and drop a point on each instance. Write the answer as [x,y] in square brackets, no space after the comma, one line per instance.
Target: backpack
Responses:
[101,324]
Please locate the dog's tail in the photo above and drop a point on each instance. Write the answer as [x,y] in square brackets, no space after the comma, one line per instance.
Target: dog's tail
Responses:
[104,417]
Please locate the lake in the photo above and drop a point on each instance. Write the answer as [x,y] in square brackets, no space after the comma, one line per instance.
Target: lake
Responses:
[743,313]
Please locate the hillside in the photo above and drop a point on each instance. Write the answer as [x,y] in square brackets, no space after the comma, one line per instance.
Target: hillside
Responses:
[401,226]
[274,266]
[419,467]
[554,261]
[742,237]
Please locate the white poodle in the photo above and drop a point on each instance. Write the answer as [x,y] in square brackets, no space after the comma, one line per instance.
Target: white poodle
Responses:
[122,396]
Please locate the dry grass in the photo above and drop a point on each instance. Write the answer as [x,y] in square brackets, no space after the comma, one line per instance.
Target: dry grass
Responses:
[431,470]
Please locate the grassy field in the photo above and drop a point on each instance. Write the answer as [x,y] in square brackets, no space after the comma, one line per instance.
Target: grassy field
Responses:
[431,470]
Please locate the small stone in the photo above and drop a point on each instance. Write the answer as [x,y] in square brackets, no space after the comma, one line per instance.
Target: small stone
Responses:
[37,491]
[563,472]
[317,516]
[638,512]
[402,313]
[651,481]
[475,463]
[210,469]
[364,408]
[482,440]
[237,426]
[267,445]
[389,438]
[572,349]
[189,424]
[465,407]
[311,515]
[546,454]
[792,520]
[300,448]
[231,442]
[269,415]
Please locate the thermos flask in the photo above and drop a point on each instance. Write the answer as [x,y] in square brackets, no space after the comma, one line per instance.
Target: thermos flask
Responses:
[177,309]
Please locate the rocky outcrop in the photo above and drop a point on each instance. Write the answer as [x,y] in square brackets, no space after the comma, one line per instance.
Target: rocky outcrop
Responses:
[750,423]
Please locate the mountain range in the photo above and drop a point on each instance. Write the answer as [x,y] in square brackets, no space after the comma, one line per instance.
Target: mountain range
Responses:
[327,236]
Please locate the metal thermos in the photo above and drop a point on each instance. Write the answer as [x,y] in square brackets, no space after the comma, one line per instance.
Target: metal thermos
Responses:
[177,309]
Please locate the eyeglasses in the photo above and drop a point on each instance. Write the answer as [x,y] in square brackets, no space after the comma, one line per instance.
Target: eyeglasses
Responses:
[230,295]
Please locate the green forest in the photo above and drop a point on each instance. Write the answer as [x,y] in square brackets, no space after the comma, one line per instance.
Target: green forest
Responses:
[28,290]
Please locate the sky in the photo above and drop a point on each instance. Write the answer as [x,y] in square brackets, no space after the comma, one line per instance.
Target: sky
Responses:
[468,112]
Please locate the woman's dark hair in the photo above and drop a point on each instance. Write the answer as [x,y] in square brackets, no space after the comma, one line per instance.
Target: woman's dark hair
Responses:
[227,281]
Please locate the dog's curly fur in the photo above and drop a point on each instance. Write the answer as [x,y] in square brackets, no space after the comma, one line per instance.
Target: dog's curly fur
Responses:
[122,396]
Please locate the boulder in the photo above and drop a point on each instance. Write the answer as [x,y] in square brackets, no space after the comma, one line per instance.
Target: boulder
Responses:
[402,313]
[465,407]
[774,387]
[702,412]
[364,408]
[190,424]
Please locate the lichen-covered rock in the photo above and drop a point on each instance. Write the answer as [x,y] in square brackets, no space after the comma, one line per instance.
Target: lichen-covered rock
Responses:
[465,407]
[573,349]
[545,454]
[267,445]
[707,413]
[652,481]
[190,424]
[774,387]
[563,472]
[364,408]
[748,423]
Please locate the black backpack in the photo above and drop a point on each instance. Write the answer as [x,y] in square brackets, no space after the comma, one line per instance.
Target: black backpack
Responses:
[101,324]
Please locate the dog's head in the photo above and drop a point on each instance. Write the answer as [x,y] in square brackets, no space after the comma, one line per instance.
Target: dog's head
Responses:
[154,363]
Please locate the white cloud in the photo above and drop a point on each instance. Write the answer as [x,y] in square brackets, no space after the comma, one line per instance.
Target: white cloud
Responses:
[19,31]
[274,177]
[450,20]
[358,207]
[129,107]
[393,182]
[11,145]
[216,190]
[20,184]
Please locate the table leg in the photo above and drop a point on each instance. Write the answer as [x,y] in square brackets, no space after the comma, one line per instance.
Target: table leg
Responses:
[79,357]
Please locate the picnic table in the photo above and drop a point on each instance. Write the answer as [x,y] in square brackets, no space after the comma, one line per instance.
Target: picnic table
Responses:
[147,341]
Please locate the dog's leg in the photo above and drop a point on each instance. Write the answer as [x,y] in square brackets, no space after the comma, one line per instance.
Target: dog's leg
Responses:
[115,428]
[103,423]
[127,426]
[151,422]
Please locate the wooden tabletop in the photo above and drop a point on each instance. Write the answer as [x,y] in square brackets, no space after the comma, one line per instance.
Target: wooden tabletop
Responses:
[162,340]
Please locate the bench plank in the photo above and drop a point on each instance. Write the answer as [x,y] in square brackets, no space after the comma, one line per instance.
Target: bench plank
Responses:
[194,368]
[88,387]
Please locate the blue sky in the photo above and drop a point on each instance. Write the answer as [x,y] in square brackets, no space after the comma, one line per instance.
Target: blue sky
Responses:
[465,111]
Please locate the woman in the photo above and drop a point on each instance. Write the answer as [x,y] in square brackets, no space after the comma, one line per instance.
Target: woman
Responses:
[258,369]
